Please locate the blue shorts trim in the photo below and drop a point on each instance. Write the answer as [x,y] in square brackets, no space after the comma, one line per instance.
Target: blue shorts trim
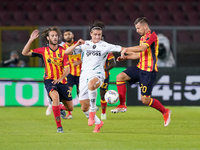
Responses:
[146,79]
[62,89]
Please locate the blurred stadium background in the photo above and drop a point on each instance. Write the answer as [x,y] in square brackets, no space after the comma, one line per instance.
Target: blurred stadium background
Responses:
[179,20]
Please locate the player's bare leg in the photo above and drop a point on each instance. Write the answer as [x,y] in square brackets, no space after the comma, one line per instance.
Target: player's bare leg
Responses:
[56,110]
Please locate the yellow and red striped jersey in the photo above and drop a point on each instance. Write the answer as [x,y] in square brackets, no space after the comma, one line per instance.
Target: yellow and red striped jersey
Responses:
[109,57]
[148,58]
[74,70]
[54,61]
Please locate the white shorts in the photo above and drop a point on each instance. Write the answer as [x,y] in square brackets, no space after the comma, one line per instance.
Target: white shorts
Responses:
[83,83]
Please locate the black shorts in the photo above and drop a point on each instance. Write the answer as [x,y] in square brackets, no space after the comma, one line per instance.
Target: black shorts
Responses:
[105,84]
[62,89]
[73,80]
[146,79]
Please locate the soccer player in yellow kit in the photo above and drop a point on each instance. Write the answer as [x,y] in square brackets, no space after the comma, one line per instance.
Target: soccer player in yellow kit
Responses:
[145,72]
[74,64]
[56,69]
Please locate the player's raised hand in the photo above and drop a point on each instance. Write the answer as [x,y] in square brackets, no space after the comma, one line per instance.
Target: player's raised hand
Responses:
[34,34]
[80,42]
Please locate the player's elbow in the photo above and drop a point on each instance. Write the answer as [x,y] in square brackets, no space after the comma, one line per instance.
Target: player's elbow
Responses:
[67,52]
[23,53]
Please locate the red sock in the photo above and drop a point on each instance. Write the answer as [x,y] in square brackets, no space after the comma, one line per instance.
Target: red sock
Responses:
[103,106]
[69,112]
[56,112]
[62,107]
[157,105]
[121,88]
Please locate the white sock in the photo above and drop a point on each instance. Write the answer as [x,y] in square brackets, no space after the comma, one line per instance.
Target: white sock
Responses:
[87,113]
[97,120]
[92,95]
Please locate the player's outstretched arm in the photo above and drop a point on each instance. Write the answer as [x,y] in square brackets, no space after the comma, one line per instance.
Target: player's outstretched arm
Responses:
[131,55]
[139,48]
[70,49]
[26,51]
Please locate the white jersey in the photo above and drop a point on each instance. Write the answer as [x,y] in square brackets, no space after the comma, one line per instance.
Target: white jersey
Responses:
[94,55]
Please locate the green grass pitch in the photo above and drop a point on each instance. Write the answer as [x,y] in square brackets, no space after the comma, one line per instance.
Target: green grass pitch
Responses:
[142,128]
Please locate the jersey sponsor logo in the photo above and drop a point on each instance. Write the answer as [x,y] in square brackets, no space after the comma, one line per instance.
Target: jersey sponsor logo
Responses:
[55,58]
[93,53]
[55,63]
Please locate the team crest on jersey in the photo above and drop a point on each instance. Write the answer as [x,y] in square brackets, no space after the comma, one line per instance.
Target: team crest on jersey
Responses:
[49,60]
[94,46]
[59,55]
[93,53]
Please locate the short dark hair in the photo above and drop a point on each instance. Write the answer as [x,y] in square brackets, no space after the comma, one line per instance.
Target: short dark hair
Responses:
[99,25]
[45,33]
[141,20]
[67,30]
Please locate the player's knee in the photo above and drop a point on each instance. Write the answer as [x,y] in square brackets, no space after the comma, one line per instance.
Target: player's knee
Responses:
[91,87]
[70,108]
[84,109]
[85,105]
[121,77]
[145,100]
[55,98]
[54,95]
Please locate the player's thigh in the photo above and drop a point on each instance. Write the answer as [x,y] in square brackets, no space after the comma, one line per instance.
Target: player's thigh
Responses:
[49,86]
[83,84]
[131,74]
[52,90]
[64,92]
[83,90]
[147,80]
[123,77]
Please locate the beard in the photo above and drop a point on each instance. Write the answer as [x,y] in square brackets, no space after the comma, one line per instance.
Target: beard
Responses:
[52,42]
[69,40]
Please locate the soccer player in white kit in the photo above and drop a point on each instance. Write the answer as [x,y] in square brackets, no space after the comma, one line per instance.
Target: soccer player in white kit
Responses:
[93,55]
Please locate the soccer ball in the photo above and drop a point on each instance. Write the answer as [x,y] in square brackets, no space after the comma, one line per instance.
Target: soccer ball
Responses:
[111,97]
